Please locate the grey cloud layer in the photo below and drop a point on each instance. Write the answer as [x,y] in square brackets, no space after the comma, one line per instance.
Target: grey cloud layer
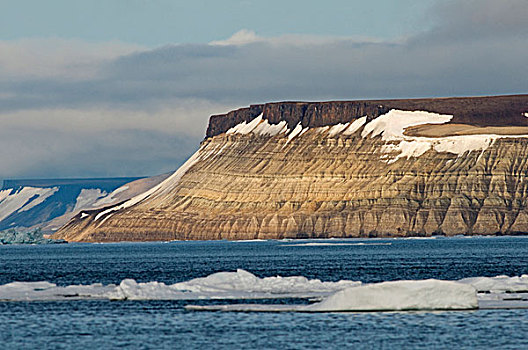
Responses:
[27,153]
[479,19]
[477,47]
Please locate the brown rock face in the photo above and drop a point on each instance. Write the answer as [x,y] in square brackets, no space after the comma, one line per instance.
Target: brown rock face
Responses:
[481,111]
[323,184]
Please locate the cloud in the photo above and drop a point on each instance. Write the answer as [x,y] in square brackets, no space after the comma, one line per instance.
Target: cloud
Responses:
[112,94]
[103,141]
[34,153]
[242,37]
[57,58]
[480,20]
[188,116]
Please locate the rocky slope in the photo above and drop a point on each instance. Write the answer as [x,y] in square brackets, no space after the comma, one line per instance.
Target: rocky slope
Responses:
[49,204]
[338,169]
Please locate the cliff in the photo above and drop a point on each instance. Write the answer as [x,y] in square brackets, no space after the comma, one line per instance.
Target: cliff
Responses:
[338,169]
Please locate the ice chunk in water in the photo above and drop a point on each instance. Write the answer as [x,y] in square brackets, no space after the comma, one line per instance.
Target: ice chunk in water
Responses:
[498,283]
[385,296]
[242,280]
[229,285]
[401,295]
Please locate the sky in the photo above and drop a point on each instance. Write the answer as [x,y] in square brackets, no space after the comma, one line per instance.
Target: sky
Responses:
[126,87]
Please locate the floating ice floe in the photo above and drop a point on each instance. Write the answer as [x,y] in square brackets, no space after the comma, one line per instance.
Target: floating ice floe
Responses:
[330,244]
[222,285]
[45,291]
[468,293]
[498,284]
[401,296]
[386,296]
[257,240]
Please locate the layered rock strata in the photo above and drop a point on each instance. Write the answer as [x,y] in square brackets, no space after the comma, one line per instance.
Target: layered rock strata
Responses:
[338,169]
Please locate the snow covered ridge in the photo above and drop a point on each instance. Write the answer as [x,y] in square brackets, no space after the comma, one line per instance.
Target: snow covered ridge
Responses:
[390,127]
[50,203]
[469,293]
[161,187]
[12,201]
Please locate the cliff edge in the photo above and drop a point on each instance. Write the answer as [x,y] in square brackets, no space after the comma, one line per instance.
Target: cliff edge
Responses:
[338,169]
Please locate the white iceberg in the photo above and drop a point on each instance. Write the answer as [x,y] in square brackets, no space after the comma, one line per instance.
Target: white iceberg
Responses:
[401,296]
[469,293]
[45,291]
[499,284]
[222,285]
[230,285]
[386,296]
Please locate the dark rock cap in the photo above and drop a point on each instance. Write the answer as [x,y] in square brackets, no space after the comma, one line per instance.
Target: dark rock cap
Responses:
[478,111]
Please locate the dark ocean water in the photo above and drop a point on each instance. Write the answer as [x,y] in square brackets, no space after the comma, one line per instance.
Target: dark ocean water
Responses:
[100,324]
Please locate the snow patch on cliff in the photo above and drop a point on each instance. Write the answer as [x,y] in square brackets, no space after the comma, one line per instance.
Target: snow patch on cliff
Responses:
[259,126]
[297,131]
[391,128]
[165,185]
[338,128]
[263,127]
[88,198]
[355,126]
[392,125]
[44,194]
[12,201]
[109,199]
[267,129]
[245,128]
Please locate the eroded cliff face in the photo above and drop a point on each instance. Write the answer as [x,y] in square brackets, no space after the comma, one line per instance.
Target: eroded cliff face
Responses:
[281,171]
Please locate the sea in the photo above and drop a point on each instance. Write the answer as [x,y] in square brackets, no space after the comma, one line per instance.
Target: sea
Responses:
[47,321]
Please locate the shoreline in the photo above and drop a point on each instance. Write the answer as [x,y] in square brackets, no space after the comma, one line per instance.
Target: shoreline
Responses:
[297,240]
